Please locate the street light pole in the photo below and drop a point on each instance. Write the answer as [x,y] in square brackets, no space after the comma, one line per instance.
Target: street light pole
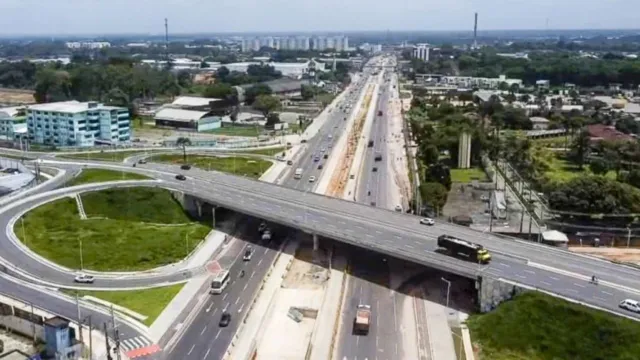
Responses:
[81,259]
[448,289]
[628,235]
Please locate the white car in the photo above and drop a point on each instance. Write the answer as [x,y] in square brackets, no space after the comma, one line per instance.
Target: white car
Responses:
[83,279]
[631,305]
[398,208]
[312,179]
[247,255]
[427,221]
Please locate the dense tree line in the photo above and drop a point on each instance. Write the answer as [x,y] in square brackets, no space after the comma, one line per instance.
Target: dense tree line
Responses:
[559,68]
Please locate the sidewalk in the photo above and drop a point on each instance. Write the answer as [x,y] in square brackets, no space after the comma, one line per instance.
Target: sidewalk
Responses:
[440,337]
[206,249]
[243,346]
[327,324]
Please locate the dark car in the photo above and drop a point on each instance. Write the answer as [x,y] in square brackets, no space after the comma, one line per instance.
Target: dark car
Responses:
[375,169]
[185,167]
[181,177]
[320,167]
[225,319]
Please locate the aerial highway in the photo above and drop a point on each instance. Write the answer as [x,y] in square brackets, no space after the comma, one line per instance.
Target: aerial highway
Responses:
[369,282]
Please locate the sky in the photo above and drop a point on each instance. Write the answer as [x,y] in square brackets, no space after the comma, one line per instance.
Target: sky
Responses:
[105,17]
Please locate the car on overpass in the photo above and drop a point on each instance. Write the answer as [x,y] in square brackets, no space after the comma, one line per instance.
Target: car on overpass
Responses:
[185,167]
[247,255]
[181,177]
[427,221]
[84,279]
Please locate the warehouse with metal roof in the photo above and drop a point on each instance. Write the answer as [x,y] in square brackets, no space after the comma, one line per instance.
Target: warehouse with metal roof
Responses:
[191,120]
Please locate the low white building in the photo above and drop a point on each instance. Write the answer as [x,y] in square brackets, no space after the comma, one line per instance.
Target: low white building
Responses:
[539,123]
[294,70]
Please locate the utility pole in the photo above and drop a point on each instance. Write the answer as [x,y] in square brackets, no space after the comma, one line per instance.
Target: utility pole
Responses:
[106,340]
[90,338]
[115,334]
[33,325]
[79,317]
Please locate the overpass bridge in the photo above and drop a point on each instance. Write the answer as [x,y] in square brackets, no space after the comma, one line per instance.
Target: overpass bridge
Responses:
[392,233]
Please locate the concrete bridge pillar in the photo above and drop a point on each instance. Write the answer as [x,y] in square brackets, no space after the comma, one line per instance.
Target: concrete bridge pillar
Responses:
[316,242]
[198,207]
[213,216]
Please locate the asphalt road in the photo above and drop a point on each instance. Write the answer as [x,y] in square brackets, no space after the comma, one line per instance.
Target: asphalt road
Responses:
[204,338]
[369,281]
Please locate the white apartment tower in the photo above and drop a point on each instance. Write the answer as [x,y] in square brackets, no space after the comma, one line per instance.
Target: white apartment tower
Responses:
[421,51]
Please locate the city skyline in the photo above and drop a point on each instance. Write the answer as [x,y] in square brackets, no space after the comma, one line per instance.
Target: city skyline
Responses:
[196,16]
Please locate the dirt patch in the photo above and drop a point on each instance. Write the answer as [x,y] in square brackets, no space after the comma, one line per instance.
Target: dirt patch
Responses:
[614,254]
[308,270]
[16,97]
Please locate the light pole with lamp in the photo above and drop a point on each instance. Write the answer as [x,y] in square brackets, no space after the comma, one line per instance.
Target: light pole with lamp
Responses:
[448,289]
[81,258]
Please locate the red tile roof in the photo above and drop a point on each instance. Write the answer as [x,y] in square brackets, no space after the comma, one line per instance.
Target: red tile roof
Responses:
[604,132]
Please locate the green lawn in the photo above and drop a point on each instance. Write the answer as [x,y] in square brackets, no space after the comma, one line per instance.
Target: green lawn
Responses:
[467,175]
[553,142]
[101,175]
[148,302]
[246,131]
[237,165]
[117,156]
[562,170]
[270,151]
[536,326]
[133,239]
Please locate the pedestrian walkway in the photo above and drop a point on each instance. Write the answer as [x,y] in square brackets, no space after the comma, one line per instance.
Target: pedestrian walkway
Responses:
[440,336]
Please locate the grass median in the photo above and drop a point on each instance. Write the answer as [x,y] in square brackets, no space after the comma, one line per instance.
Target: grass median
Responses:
[129,229]
[147,302]
[88,176]
[536,326]
[237,165]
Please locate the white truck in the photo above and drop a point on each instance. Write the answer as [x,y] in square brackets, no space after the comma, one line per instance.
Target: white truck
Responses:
[298,173]
[362,322]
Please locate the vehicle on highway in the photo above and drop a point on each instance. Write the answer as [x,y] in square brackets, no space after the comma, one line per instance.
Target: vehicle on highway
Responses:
[630,305]
[312,179]
[247,255]
[379,112]
[266,235]
[83,279]
[262,227]
[316,158]
[398,208]
[375,169]
[464,249]
[427,221]
[181,177]
[303,141]
[370,144]
[185,167]
[320,167]
[142,161]
[362,322]
[289,162]
[378,157]
[326,156]
[225,319]
[298,173]
[219,282]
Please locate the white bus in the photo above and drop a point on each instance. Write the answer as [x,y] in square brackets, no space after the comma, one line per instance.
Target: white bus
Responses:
[298,173]
[220,282]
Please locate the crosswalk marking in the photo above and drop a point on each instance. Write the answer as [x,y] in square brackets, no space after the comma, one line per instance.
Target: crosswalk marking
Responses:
[135,343]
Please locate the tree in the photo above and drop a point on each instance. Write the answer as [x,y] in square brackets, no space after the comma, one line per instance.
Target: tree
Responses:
[184,142]
[266,104]
[253,92]
[307,92]
[465,97]
[439,173]
[599,166]
[435,194]
[218,91]
[204,65]
[272,119]
[580,149]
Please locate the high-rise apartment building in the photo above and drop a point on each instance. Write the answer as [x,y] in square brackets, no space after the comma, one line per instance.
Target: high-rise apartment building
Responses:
[302,43]
[421,51]
[72,123]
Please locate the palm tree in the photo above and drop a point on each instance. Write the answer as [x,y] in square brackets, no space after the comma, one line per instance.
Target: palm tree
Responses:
[184,142]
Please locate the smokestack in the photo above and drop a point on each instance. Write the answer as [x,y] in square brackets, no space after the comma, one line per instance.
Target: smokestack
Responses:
[475,31]
[166,39]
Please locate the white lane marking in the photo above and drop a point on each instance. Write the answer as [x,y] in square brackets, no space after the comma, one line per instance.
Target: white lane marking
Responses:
[252,274]
[410,247]
[399,238]
[210,306]
[554,278]
[359,227]
[599,298]
[545,283]
[578,285]
[237,299]
[521,276]
[214,311]
[369,235]
[225,296]
[572,290]
[218,334]
[245,287]
[348,230]
[241,307]
[606,292]
[342,223]
[504,265]
[191,350]
[259,262]
[266,250]
[332,226]
[530,272]
[378,232]
[203,330]
[207,354]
